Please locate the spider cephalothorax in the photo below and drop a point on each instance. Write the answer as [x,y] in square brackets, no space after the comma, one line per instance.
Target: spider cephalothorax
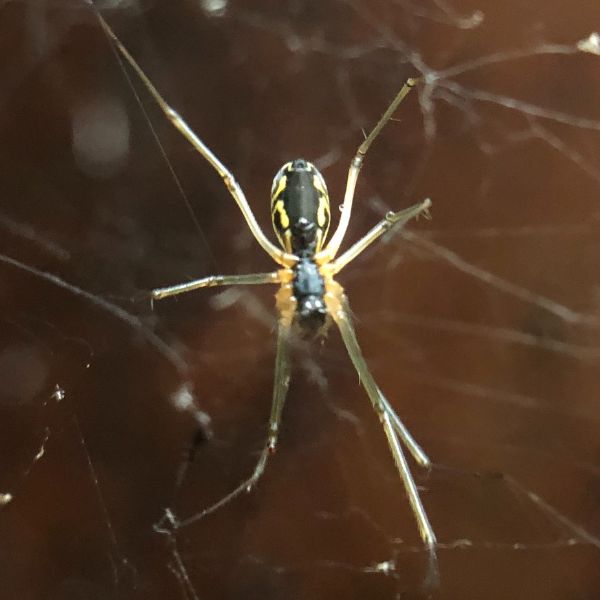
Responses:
[309,290]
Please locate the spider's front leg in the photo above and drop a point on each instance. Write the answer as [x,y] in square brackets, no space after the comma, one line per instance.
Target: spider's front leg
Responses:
[395,430]
[286,307]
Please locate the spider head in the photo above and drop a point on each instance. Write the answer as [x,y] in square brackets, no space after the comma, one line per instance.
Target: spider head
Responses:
[312,314]
[300,207]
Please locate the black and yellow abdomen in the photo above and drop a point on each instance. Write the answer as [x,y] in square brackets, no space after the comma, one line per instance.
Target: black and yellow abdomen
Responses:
[300,207]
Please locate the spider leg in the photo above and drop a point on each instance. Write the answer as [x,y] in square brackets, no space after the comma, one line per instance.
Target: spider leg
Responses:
[405,436]
[213,281]
[335,242]
[280,388]
[233,187]
[392,426]
[392,219]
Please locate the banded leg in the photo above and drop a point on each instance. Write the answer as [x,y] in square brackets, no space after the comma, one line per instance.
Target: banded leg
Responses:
[335,242]
[392,425]
[177,121]
[280,389]
[392,219]
[213,281]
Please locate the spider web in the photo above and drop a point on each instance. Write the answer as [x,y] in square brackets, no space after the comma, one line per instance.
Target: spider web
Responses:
[481,326]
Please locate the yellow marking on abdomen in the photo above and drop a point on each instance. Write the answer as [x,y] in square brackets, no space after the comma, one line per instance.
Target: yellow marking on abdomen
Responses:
[279,208]
[280,187]
[323,212]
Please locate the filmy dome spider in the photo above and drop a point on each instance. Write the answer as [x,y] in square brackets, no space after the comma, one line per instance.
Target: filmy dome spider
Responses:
[308,297]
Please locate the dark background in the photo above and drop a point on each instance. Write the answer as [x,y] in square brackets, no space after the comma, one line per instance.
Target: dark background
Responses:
[481,325]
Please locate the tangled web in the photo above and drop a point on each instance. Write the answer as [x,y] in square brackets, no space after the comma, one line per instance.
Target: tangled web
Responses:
[121,421]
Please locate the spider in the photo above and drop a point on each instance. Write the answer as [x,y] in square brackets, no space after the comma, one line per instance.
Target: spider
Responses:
[309,297]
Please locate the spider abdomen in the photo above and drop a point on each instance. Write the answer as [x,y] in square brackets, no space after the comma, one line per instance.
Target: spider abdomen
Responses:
[300,207]
[309,290]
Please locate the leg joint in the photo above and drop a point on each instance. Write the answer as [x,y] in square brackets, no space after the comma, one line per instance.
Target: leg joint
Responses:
[357,161]
[230,183]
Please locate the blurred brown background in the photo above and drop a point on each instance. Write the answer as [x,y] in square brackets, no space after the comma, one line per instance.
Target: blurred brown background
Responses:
[481,325]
